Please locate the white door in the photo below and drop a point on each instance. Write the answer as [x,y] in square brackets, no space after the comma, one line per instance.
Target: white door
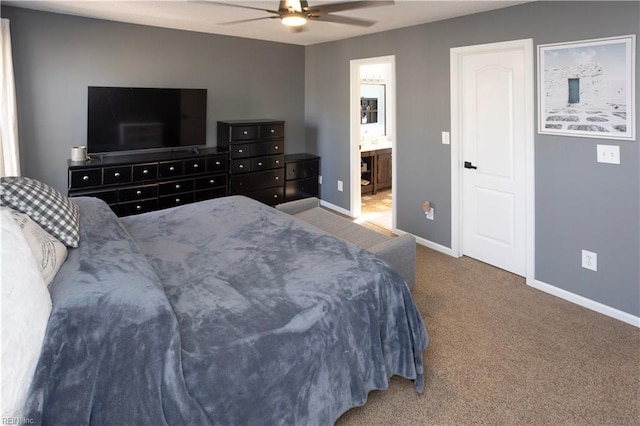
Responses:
[493,133]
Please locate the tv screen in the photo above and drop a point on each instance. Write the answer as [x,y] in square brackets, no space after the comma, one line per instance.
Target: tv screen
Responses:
[132,118]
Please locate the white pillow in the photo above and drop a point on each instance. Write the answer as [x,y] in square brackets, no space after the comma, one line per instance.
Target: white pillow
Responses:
[26,305]
[48,252]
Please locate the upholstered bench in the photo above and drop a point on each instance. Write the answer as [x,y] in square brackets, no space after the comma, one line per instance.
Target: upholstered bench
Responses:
[399,252]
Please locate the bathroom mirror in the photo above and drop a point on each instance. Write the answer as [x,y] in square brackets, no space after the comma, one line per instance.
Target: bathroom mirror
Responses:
[372,110]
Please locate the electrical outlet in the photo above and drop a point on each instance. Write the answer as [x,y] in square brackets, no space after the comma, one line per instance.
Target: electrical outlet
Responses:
[320,179]
[429,214]
[340,186]
[589,260]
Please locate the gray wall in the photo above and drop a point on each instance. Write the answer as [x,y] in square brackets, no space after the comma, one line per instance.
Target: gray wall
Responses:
[580,204]
[57,56]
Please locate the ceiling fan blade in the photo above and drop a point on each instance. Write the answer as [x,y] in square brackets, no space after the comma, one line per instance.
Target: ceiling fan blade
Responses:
[344,20]
[232,5]
[350,5]
[248,20]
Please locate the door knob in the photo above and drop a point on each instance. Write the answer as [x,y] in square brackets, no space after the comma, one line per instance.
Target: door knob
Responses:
[468,165]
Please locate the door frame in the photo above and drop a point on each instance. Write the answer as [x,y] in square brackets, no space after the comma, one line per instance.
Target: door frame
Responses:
[355,206]
[456,56]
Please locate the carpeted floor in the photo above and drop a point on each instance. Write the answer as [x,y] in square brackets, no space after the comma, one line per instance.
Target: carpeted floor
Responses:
[502,353]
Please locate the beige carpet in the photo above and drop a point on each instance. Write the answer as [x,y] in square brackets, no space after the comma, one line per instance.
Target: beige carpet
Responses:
[502,353]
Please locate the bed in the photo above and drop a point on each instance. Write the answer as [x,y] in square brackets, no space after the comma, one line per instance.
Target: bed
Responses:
[219,312]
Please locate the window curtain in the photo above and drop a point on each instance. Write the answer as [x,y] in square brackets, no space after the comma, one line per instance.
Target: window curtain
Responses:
[9,155]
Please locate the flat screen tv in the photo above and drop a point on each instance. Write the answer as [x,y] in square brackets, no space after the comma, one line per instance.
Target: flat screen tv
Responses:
[136,118]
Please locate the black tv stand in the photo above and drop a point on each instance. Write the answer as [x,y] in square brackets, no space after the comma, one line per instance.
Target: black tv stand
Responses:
[142,182]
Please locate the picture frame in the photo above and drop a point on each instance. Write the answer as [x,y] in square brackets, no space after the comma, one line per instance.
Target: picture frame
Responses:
[587,88]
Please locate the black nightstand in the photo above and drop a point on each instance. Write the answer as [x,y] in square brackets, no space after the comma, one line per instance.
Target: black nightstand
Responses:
[301,176]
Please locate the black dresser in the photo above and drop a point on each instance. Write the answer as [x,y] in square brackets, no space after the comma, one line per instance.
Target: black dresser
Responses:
[256,158]
[139,183]
[301,176]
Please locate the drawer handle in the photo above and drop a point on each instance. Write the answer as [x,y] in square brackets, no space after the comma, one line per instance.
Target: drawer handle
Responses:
[272,130]
[177,186]
[275,195]
[212,181]
[241,166]
[260,163]
[177,200]
[116,174]
[85,178]
[217,163]
[245,132]
[138,192]
[138,207]
[195,166]
[276,147]
[145,172]
[277,178]
[171,169]
[240,151]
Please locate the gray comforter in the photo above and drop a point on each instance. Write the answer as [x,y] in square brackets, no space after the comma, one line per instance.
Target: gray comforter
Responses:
[219,312]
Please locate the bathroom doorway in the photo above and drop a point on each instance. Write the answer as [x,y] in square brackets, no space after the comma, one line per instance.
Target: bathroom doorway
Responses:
[373,134]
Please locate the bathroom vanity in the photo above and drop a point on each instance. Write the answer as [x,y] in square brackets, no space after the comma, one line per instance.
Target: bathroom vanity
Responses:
[375,170]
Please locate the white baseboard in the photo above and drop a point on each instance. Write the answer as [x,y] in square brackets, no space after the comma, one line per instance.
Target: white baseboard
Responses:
[552,290]
[547,288]
[587,303]
[427,243]
[336,208]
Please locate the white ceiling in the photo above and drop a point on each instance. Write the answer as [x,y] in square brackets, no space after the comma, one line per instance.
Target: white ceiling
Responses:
[205,17]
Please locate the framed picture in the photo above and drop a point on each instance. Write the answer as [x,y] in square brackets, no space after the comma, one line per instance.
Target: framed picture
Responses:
[587,88]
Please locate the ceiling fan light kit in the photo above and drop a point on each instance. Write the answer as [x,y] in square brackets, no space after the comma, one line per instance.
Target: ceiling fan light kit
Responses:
[295,19]
[295,13]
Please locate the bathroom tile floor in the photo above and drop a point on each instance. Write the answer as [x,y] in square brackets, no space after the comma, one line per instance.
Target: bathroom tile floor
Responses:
[376,209]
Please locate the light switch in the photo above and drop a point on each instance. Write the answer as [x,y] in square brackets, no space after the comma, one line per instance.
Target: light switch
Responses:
[608,154]
[445,138]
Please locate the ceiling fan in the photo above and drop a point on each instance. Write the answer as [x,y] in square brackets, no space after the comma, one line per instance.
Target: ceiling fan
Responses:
[294,14]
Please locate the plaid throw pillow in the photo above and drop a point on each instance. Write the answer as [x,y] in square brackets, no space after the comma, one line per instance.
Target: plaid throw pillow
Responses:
[45,205]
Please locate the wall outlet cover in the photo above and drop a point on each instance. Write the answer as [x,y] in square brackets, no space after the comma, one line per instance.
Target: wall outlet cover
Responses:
[340,185]
[589,260]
